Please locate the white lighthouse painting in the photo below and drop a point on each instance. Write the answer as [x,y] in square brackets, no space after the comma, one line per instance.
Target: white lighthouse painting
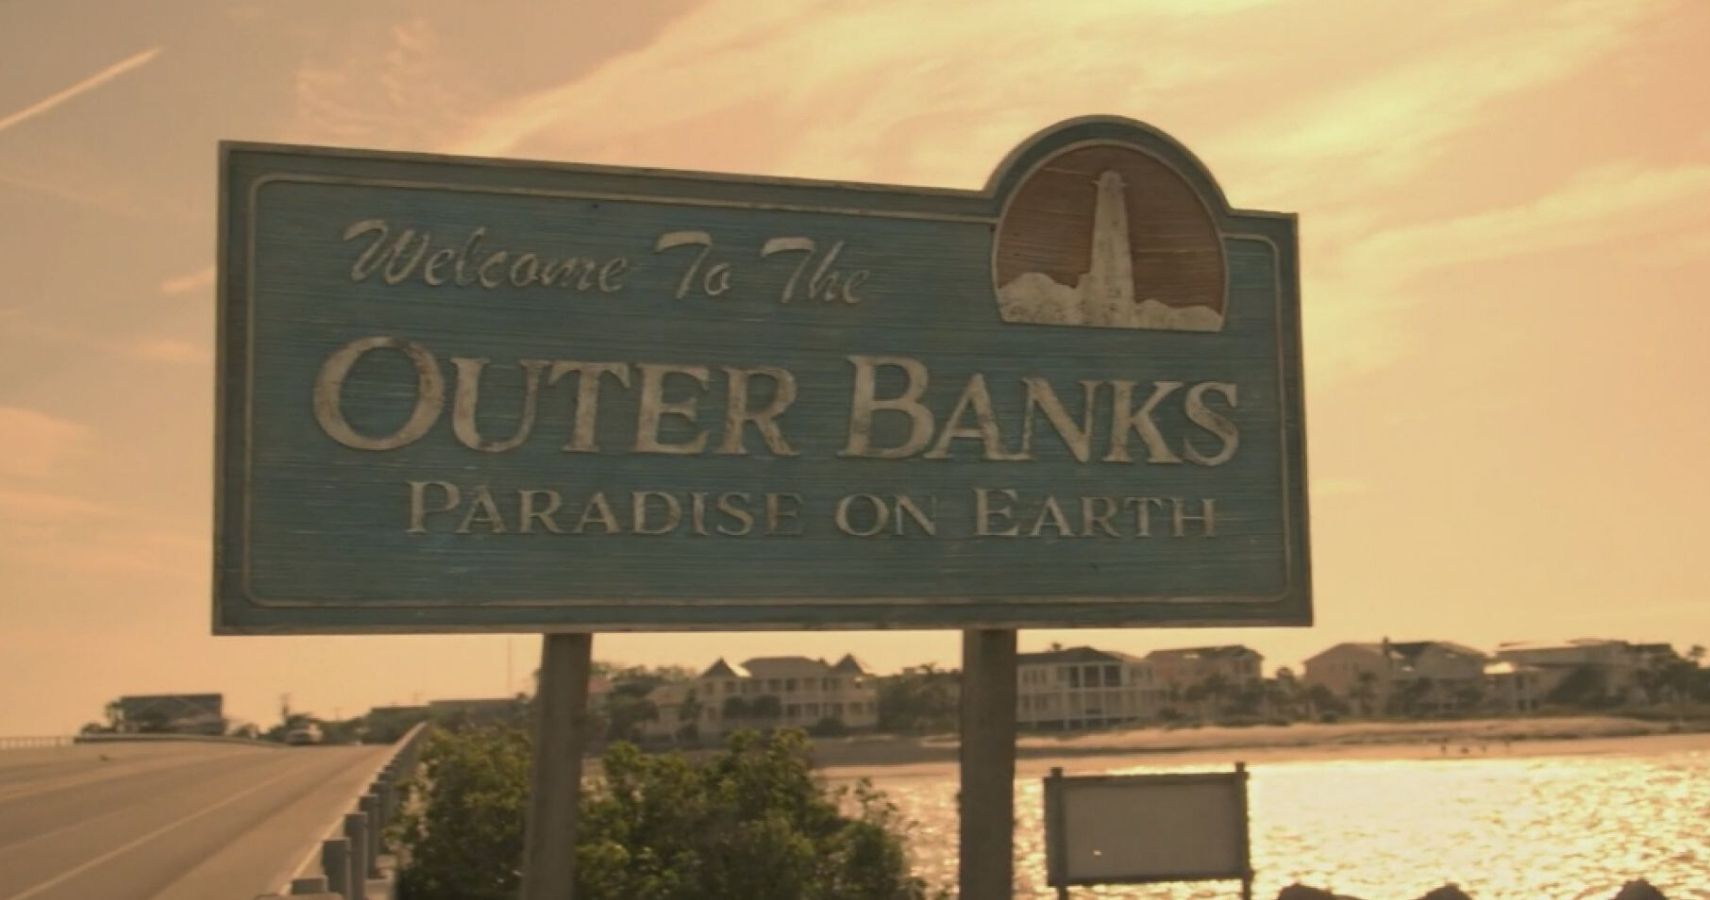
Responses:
[1092,278]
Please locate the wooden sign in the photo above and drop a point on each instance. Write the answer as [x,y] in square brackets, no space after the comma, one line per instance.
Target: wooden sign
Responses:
[468,394]
[1143,829]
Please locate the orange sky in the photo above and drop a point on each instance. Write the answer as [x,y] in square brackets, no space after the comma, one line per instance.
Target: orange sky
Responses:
[1505,210]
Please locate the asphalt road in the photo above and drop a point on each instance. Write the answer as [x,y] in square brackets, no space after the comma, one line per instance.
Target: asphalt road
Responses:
[177,822]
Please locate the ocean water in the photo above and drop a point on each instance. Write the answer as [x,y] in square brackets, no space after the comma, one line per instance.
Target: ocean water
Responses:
[1501,824]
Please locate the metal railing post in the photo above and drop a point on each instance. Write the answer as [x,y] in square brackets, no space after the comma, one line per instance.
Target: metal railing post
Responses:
[356,830]
[370,806]
[335,861]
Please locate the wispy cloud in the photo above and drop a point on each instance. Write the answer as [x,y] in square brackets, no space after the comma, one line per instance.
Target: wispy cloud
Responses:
[1605,206]
[1386,125]
[88,84]
[833,93]
[36,442]
[189,281]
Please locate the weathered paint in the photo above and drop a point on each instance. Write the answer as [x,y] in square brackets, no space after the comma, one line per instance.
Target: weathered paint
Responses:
[315,531]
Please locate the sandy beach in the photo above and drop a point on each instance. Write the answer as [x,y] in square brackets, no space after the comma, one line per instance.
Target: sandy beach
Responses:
[891,755]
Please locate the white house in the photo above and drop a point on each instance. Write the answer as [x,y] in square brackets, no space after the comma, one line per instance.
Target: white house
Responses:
[771,692]
[1083,687]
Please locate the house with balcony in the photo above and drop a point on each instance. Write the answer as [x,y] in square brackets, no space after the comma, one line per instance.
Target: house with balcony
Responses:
[1230,667]
[1406,676]
[1084,687]
[769,692]
[1611,668]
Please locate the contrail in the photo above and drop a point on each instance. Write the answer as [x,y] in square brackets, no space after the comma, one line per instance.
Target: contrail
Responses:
[94,81]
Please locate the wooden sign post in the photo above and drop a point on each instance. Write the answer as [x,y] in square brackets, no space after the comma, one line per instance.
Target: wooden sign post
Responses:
[986,854]
[471,395]
[560,738]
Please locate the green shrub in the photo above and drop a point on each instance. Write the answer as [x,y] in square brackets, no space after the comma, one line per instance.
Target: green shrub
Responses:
[751,822]
[464,838]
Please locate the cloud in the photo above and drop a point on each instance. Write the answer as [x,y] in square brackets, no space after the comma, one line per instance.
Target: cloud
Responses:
[37,443]
[1606,206]
[1630,214]
[1388,123]
[860,90]
[94,81]
[408,94]
[189,281]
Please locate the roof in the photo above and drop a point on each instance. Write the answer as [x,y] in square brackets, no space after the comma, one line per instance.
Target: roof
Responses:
[1225,651]
[785,666]
[1411,649]
[1375,650]
[849,665]
[722,669]
[1073,655]
[1575,644]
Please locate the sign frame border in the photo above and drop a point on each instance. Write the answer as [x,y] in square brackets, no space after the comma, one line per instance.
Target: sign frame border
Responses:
[1292,607]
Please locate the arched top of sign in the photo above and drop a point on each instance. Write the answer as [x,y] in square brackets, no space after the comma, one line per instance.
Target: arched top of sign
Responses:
[1107,223]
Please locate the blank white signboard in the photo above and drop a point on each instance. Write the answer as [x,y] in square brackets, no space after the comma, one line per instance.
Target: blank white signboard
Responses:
[1153,828]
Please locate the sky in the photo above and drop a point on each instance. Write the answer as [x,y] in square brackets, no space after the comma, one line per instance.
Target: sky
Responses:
[1504,209]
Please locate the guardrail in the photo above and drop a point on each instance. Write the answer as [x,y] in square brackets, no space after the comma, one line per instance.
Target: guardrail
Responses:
[158,738]
[348,857]
[34,742]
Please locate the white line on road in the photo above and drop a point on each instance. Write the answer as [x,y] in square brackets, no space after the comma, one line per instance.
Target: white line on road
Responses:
[73,873]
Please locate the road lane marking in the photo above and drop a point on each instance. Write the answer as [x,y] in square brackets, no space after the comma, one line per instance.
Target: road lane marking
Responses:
[102,773]
[138,842]
[81,823]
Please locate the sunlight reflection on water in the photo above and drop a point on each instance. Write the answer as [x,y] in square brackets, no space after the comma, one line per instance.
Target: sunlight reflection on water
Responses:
[1504,828]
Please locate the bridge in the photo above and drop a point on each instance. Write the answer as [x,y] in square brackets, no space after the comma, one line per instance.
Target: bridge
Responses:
[169,819]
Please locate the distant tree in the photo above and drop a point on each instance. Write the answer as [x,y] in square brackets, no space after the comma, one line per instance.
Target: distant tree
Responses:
[1217,691]
[625,713]
[919,699]
[1285,697]
[1246,698]
[689,717]
[1413,697]
[1586,687]
[1324,701]
[1364,692]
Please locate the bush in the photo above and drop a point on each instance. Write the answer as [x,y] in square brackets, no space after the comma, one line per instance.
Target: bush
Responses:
[752,822]
[465,840]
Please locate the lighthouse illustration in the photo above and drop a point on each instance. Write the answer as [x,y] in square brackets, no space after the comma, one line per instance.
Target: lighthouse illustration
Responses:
[1107,290]
[1048,274]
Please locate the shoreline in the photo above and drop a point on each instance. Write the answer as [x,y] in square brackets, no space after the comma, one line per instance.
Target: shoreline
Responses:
[891,755]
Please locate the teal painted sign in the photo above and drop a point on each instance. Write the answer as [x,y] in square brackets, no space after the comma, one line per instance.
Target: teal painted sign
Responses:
[484,395]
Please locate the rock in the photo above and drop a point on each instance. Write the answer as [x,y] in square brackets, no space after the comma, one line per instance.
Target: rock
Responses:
[1639,890]
[1302,892]
[1446,892]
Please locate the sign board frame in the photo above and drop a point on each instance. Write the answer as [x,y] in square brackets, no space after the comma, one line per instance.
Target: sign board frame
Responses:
[252,173]
[1058,789]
